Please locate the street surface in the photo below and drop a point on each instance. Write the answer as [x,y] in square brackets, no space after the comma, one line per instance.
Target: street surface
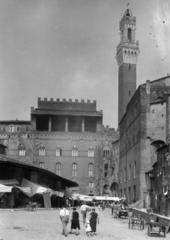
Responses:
[46,225]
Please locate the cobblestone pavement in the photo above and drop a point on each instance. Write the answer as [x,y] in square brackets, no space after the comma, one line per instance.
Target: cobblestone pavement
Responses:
[45,224]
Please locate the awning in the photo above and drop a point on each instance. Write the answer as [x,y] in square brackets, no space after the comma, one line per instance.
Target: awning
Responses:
[9,182]
[25,190]
[4,188]
[35,188]
[81,197]
[57,193]
[106,198]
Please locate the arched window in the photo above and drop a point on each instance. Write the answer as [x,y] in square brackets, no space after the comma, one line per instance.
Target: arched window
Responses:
[58,152]
[134,170]
[41,164]
[129,171]
[90,169]
[91,185]
[41,151]
[58,168]
[107,153]
[129,34]
[21,150]
[90,152]
[134,193]
[106,168]
[74,170]
[74,151]
[12,128]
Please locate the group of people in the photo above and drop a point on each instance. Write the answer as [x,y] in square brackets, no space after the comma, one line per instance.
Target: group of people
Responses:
[90,219]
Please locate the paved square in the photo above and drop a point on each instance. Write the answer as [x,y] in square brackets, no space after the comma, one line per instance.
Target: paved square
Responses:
[46,225]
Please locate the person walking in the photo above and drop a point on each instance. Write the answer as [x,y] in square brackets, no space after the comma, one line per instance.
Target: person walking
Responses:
[84,209]
[87,227]
[94,219]
[75,223]
[112,208]
[64,216]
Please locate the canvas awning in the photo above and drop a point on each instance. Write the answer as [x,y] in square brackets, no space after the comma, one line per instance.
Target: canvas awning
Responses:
[35,188]
[9,182]
[25,190]
[4,189]
[57,193]
[81,197]
[106,198]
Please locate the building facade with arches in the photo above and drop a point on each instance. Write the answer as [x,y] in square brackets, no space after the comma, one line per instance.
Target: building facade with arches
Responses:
[68,138]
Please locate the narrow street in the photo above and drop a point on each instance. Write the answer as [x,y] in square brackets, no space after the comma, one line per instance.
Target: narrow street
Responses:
[45,224]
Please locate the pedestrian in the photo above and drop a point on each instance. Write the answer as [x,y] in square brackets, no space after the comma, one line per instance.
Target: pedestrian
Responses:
[88,227]
[112,205]
[75,223]
[84,208]
[64,216]
[94,219]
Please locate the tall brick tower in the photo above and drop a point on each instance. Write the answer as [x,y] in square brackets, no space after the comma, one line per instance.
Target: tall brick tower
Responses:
[127,53]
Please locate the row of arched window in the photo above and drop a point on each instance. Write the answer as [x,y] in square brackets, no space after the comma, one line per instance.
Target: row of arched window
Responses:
[58,152]
[59,168]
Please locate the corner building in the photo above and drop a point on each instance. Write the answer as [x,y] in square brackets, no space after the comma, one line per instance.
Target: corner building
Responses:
[142,129]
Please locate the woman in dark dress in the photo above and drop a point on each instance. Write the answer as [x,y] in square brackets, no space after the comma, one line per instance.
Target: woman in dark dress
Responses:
[75,223]
[94,219]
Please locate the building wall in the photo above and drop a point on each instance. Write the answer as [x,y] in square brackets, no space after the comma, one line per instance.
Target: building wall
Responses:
[143,123]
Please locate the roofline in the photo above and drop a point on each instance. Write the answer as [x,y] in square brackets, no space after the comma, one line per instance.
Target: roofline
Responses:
[4,158]
[138,89]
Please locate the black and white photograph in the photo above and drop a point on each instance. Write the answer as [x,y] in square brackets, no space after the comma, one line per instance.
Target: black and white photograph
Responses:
[84,119]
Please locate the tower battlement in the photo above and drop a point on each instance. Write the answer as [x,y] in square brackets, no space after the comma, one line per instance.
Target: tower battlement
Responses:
[64,100]
[64,104]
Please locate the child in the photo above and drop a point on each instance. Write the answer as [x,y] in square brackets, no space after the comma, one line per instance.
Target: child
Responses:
[87,227]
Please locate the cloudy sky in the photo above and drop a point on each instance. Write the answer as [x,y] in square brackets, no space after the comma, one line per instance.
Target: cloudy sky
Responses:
[67,48]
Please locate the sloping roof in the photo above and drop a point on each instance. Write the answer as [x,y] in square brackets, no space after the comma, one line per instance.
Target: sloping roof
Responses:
[48,174]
